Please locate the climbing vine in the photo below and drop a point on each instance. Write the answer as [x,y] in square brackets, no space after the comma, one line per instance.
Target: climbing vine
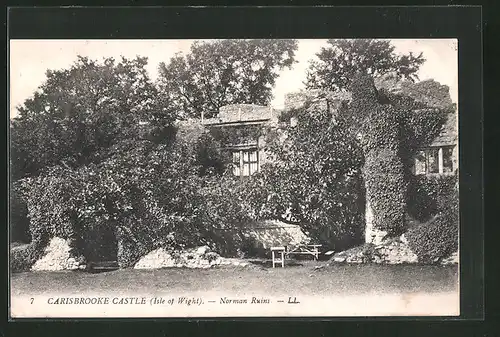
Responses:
[391,128]
[383,170]
[236,134]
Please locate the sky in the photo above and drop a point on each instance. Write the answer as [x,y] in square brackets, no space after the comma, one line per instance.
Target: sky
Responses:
[29,60]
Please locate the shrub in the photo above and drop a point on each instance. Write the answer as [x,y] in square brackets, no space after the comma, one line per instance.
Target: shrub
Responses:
[178,208]
[73,205]
[18,216]
[23,257]
[427,195]
[438,237]
[224,207]
[144,197]
[86,204]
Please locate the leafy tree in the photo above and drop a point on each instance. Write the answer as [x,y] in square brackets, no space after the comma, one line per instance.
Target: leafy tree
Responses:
[342,59]
[224,72]
[313,177]
[78,113]
[438,236]
[210,158]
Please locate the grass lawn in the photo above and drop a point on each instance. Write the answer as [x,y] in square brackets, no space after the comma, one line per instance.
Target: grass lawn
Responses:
[343,279]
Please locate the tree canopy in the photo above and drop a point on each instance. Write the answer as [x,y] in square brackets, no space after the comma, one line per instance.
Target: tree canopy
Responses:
[222,72]
[312,177]
[337,63]
[80,112]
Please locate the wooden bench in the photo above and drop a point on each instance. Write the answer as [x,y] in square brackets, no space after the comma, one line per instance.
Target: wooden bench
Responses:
[305,250]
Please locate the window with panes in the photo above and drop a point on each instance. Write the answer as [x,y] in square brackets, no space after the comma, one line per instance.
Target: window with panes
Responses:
[245,162]
[434,160]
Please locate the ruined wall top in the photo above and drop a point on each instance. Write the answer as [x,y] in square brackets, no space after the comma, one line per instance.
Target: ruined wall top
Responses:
[318,98]
[244,113]
[429,92]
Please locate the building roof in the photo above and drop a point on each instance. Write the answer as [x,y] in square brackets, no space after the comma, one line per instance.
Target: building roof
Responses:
[237,114]
[449,135]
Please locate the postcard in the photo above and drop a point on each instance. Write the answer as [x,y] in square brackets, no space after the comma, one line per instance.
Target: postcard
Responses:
[234,178]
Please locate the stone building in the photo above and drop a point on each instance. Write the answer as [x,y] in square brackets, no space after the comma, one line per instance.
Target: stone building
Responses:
[441,156]
[247,121]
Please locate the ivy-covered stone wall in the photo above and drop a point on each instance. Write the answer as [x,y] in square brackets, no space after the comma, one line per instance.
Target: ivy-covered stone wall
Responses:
[393,122]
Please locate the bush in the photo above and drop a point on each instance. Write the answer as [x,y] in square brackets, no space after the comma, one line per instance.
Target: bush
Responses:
[18,216]
[438,237]
[73,205]
[144,197]
[85,205]
[23,257]
[224,207]
[427,195]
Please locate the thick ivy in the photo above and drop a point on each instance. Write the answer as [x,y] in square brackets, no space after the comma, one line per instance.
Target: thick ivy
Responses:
[144,197]
[312,177]
[429,195]
[23,257]
[421,120]
[149,196]
[385,189]
[233,135]
[383,170]
[391,128]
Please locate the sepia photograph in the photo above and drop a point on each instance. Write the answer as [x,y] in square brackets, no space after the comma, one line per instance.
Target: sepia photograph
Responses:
[233,178]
